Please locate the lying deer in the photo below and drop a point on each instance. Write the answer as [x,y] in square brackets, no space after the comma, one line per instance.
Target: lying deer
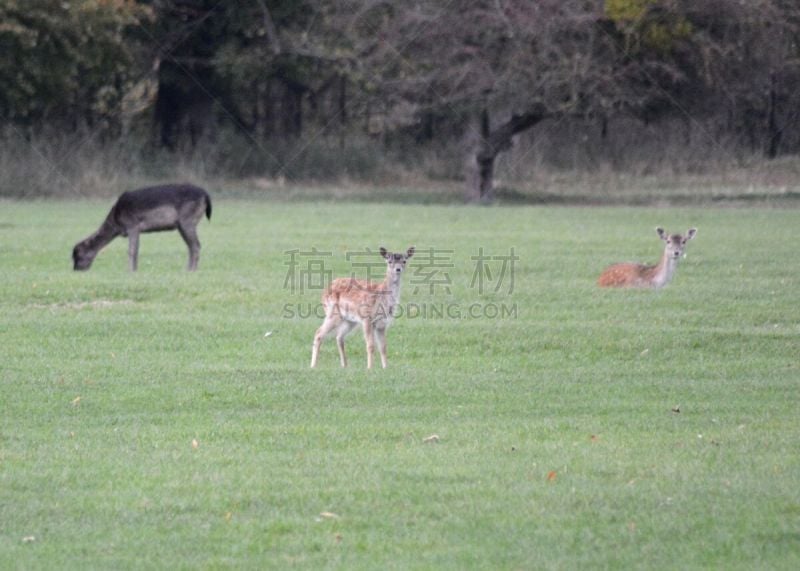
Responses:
[349,302]
[640,275]
[153,209]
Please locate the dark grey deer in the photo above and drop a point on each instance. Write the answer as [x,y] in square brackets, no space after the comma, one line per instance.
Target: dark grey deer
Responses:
[152,209]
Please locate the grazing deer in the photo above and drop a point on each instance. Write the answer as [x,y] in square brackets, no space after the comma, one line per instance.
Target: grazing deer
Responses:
[640,275]
[153,209]
[349,302]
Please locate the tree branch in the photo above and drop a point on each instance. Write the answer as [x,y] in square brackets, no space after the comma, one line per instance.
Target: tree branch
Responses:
[269,29]
[499,138]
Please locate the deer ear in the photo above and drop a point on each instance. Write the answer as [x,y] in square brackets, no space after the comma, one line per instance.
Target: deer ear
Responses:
[383,252]
[690,233]
[661,233]
[410,252]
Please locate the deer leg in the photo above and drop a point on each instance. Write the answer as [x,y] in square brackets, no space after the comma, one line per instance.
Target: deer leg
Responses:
[189,235]
[380,335]
[330,323]
[345,327]
[133,249]
[369,338]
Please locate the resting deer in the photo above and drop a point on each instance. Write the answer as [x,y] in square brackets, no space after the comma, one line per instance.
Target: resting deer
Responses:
[640,275]
[153,209]
[349,302]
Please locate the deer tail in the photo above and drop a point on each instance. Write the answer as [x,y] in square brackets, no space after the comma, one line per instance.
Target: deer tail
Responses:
[208,206]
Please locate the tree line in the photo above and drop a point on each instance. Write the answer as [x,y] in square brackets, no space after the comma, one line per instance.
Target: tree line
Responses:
[472,74]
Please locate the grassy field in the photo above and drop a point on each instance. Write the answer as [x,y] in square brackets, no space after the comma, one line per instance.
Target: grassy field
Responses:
[150,421]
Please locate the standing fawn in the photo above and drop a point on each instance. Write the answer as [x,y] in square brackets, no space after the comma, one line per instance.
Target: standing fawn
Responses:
[349,302]
[153,209]
[640,275]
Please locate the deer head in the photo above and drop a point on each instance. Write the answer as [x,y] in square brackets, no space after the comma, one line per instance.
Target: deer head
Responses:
[675,243]
[396,263]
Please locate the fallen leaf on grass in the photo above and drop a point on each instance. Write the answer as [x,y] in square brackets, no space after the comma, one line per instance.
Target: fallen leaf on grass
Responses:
[76,401]
[28,539]
[268,333]
[195,444]
[551,476]
[328,515]
[594,438]
[676,409]
[433,438]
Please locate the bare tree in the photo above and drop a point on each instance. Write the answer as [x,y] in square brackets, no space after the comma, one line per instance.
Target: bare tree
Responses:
[746,58]
[503,66]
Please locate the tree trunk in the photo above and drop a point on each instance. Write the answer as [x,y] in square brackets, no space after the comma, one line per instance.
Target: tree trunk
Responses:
[480,166]
[342,101]
[772,121]
[490,143]
[268,101]
[292,109]
[341,105]
[182,109]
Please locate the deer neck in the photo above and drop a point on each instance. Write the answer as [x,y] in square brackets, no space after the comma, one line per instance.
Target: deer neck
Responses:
[391,285]
[664,271]
[107,232]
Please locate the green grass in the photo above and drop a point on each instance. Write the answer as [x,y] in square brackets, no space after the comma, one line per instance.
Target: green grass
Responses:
[558,446]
